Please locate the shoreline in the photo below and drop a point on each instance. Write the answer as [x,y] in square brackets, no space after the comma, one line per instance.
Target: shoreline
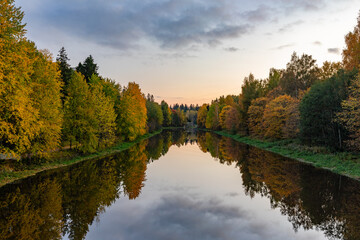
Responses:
[343,163]
[8,177]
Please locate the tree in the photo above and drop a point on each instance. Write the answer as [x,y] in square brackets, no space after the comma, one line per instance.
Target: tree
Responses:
[202,113]
[46,98]
[178,118]
[276,115]
[18,116]
[318,110]
[132,117]
[88,68]
[250,90]
[329,69]
[230,118]
[64,67]
[80,122]
[351,53]
[154,116]
[166,113]
[300,74]
[212,118]
[350,115]
[256,113]
[104,113]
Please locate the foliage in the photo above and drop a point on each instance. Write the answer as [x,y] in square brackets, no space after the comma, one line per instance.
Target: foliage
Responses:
[88,68]
[212,118]
[229,118]
[351,53]
[64,67]
[47,100]
[155,116]
[350,115]
[300,74]
[201,117]
[132,116]
[318,109]
[18,116]
[256,112]
[104,113]
[178,118]
[281,117]
[80,122]
[328,70]
[166,114]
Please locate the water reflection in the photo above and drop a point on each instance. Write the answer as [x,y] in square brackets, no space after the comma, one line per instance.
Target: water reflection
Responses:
[67,201]
[311,198]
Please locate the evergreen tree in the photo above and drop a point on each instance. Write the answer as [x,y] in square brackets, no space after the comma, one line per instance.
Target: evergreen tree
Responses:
[88,68]
[166,113]
[64,67]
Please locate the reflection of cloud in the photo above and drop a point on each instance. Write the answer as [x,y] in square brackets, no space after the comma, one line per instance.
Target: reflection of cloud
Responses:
[334,50]
[178,217]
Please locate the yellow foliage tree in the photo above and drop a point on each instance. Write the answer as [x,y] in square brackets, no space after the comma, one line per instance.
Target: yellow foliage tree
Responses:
[255,120]
[351,53]
[350,115]
[281,118]
[132,113]
[202,113]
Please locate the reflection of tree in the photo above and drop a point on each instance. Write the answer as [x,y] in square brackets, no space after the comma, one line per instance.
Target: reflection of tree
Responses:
[311,198]
[132,170]
[33,213]
[154,148]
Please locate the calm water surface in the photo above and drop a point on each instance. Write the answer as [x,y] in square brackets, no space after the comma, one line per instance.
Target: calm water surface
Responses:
[183,186]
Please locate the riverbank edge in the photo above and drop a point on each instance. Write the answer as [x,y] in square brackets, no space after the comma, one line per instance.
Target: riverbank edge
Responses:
[10,177]
[343,163]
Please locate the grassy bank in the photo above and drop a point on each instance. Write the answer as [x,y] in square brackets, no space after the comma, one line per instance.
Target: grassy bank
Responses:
[343,163]
[61,159]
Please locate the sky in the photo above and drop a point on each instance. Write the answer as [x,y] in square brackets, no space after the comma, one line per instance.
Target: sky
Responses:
[189,51]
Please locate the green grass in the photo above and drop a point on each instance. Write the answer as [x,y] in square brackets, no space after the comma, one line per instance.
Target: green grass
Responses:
[64,158]
[343,163]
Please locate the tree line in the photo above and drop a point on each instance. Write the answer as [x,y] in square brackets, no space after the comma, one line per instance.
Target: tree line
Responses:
[47,104]
[318,105]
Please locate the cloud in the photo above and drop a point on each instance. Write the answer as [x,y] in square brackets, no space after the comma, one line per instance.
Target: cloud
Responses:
[284,46]
[169,24]
[288,27]
[231,49]
[334,50]
[318,43]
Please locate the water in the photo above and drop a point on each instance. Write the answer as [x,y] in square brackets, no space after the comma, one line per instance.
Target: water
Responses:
[183,186]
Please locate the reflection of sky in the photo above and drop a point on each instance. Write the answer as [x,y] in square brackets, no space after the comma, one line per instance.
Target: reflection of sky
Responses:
[188,195]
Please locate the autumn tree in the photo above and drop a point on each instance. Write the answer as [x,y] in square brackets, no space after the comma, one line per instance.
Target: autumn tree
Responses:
[155,116]
[178,118]
[351,53]
[18,115]
[132,117]
[350,115]
[318,110]
[250,90]
[256,113]
[46,97]
[80,122]
[88,68]
[230,118]
[166,113]
[201,117]
[328,70]
[277,114]
[300,74]
[212,118]
[104,112]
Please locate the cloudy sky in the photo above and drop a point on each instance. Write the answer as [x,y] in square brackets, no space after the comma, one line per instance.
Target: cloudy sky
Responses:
[190,51]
